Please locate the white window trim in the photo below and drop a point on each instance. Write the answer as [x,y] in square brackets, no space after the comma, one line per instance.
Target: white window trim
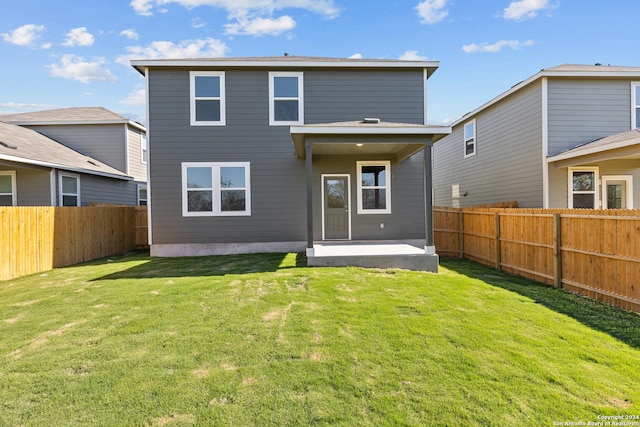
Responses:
[628,179]
[140,187]
[222,98]
[61,193]
[300,98]
[216,190]
[144,143]
[475,138]
[14,192]
[634,104]
[387,165]
[596,186]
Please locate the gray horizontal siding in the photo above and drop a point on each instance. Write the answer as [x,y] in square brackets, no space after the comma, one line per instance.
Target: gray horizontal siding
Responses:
[278,187]
[508,161]
[102,142]
[33,185]
[96,189]
[582,111]
[137,169]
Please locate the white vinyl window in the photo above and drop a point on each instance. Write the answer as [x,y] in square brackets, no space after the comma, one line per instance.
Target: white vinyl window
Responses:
[583,188]
[470,138]
[374,187]
[142,195]
[7,188]
[216,189]
[207,98]
[286,100]
[69,186]
[635,105]
[144,149]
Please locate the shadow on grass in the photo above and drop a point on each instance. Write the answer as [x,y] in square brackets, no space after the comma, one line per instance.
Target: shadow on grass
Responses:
[200,266]
[621,324]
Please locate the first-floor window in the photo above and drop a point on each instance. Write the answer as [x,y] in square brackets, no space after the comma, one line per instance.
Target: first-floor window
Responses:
[69,190]
[142,195]
[7,188]
[374,187]
[216,189]
[583,188]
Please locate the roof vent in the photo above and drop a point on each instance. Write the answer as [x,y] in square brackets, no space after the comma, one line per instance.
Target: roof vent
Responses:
[93,163]
[7,145]
[370,120]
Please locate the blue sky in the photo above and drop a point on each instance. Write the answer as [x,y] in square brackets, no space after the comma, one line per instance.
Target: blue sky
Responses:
[71,53]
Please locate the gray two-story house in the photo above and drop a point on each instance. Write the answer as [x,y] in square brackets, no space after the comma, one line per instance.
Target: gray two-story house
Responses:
[281,154]
[567,137]
[72,157]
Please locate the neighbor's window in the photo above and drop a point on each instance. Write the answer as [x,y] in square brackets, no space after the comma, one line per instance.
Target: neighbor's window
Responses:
[216,189]
[142,195]
[635,105]
[470,138]
[583,188]
[374,187]
[69,190]
[286,104]
[8,188]
[144,147]
[207,98]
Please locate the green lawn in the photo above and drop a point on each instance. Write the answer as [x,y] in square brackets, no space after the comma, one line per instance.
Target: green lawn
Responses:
[262,340]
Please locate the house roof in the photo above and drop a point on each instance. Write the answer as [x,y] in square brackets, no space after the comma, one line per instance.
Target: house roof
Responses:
[286,61]
[22,145]
[560,71]
[618,146]
[70,116]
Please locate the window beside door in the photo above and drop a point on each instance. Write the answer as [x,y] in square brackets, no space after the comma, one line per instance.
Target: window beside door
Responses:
[374,187]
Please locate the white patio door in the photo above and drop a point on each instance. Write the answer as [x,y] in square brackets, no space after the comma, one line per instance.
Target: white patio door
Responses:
[617,192]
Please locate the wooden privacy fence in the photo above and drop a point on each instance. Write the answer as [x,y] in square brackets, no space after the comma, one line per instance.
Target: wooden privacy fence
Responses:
[35,239]
[593,252]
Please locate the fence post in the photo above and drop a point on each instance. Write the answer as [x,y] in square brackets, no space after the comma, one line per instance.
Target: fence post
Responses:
[461,232]
[557,252]
[497,243]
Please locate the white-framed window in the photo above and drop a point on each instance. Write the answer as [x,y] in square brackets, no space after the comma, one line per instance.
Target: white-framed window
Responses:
[144,149]
[286,98]
[69,186]
[142,195]
[216,189]
[583,188]
[7,188]
[470,138]
[207,98]
[635,105]
[617,191]
[374,187]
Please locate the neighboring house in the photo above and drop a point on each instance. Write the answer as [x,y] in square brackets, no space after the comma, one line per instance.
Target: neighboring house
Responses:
[275,154]
[564,138]
[72,157]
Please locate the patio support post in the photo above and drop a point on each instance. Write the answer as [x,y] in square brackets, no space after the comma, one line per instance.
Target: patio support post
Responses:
[428,197]
[309,170]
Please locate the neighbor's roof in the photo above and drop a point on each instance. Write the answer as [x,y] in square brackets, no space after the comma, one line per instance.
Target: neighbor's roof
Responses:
[620,145]
[285,61]
[70,116]
[22,145]
[565,70]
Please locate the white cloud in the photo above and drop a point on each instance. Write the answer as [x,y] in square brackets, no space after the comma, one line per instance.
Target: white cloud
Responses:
[130,33]
[25,35]
[356,56]
[25,106]
[137,97]
[497,46]
[197,23]
[525,9]
[257,26]
[412,55]
[142,7]
[323,7]
[432,11]
[79,37]
[46,46]
[77,68]
[202,48]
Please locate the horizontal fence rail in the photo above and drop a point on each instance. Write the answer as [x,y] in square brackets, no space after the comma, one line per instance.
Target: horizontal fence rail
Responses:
[592,252]
[36,239]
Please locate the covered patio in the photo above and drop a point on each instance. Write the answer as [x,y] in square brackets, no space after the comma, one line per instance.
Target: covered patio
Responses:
[370,137]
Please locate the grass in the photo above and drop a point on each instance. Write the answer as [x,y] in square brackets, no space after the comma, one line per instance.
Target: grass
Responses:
[262,340]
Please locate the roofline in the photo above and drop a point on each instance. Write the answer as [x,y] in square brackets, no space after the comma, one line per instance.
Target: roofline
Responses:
[141,64]
[63,167]
[539,75]
[77,122]
[574,152]
[373,130]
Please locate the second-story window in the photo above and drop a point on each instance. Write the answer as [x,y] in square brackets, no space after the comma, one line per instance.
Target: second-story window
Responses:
[207,98]
[470,139]
[286,104]
[144,149]
[635,105]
